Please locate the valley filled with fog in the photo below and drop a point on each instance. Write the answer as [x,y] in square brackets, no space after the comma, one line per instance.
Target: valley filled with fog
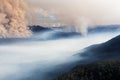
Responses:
[38,59]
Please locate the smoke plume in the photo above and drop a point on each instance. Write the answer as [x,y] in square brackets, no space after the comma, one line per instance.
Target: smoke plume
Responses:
[13,19]
[51,13]
[78,13]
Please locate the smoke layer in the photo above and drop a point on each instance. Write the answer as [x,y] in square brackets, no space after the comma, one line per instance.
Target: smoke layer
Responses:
[78,13]
[13,19]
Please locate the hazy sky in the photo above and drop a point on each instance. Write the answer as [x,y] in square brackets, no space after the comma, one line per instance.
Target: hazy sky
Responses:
[95,12]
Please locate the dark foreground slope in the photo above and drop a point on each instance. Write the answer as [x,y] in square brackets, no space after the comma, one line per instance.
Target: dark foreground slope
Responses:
[103,70]
[104,59]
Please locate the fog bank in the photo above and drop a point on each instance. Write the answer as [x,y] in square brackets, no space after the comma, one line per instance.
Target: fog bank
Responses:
[19,61]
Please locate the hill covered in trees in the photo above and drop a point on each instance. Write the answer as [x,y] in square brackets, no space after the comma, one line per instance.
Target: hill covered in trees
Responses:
[102,70]
[104,65]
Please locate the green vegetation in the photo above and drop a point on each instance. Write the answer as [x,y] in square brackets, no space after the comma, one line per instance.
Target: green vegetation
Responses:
[102,70]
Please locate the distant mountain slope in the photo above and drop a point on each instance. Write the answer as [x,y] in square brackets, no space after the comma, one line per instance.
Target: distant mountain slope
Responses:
[104,28]
[36,29]
[96,29]
[43,33]
[61,32]
[107,50]
[52,33]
